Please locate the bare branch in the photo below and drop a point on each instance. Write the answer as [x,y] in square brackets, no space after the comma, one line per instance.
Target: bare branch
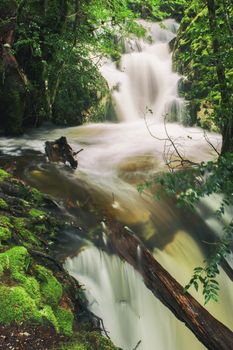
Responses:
[210,143]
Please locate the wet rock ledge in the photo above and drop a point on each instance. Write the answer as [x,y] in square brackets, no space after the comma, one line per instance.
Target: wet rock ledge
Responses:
[42,307]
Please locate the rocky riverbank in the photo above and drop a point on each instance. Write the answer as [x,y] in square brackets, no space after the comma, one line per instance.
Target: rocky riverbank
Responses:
[40,303]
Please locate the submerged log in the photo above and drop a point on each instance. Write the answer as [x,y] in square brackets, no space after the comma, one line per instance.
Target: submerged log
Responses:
[60,151]
[210,332]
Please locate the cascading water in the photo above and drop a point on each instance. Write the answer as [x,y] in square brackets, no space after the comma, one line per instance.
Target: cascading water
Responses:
[115,158]
[145,84]
[130,311]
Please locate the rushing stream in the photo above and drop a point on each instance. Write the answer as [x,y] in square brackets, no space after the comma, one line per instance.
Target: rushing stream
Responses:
[116,157]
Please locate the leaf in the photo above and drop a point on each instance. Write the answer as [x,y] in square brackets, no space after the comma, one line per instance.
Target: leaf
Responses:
[195,285]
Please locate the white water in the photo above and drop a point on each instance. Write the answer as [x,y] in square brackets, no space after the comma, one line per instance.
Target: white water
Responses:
[130,311]
[145,83]
[115,158]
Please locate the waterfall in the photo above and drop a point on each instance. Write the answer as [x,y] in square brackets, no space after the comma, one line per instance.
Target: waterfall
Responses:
[144,85]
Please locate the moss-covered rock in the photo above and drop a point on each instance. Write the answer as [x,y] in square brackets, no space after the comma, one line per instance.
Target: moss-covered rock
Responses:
[17,306]
[36,196]
[5,228]
[65,320]
[35,294]
[5,234]
[88,340]
[4,175]
[31,286]
[15,260]
[3,204]
[48,314]
[51,289]
[5,221]
[35,213]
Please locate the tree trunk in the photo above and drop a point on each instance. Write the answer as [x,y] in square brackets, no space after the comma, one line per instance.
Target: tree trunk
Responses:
[12,81]
[212,333]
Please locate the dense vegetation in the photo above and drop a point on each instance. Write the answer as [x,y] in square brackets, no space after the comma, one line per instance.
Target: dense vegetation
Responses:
[203,54]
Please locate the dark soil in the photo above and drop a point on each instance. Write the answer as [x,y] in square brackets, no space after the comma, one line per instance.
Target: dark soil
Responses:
[30,337]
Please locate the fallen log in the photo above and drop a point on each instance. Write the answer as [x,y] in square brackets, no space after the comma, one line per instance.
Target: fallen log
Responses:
[60,151]
[210,332]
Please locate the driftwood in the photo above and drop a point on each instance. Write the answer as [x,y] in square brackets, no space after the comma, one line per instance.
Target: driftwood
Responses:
[60,151]
[212,333]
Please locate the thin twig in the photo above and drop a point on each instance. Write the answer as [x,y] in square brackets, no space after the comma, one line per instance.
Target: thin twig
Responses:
[210,143]
[137,345]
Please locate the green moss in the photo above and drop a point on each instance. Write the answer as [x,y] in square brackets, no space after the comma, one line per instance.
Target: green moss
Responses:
[20,223]
[36,196]
[65,320]
[17,306]
[4,175]
[51,289]
[3,204]
[29,237]
[85,340]
[5,228]
[74,346]
[35,213]
[26,235]
[96,341]
[41,229]
[32,287]
[5,221]
[15,260]
[34,298]
[48,314]
[5,233]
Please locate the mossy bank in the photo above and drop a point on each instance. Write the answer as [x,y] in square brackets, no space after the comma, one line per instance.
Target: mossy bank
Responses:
[39,301]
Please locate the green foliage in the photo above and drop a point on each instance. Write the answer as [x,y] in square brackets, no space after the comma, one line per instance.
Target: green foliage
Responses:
[158,9]
[200,61]
[81,88]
